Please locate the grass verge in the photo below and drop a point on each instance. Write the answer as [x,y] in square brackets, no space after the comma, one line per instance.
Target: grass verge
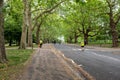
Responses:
[13,67]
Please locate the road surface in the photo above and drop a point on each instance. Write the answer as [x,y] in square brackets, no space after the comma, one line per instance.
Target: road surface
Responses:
[101,64]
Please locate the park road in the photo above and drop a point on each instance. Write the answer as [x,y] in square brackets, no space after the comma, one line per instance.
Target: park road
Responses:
[46,64]
[101,63]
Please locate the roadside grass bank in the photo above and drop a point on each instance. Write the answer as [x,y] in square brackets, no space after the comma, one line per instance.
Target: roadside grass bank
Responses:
[102,43]
[106,45]
[14,46]
[15,64]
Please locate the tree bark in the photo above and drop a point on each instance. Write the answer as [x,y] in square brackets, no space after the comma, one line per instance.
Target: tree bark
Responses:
[75,37]
[38,31]
[37,35]
[113,27]
[24,26]
[86,38]
[3,57]
[69,39]
[114,34]
[30,40]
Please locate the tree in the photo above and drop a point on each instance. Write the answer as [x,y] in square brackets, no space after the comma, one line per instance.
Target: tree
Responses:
[82,20]
[24,25]
[49,30]
[3,57]
[28,20]
[90,23]
[114,18]
[38,19]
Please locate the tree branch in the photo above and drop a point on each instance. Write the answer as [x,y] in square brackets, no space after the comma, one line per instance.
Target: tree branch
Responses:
[117,20]
[38,24]
[96,33]
[81,31]
[30,1]
[37,10]
[108,3]
[48,11]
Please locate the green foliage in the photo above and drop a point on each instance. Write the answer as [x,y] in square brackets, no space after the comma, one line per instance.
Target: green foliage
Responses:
[77,0]
[13,22]
[81,16]
[51,31]
[68,20]
[12,30]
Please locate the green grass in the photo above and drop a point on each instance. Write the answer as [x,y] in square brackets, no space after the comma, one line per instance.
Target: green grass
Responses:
[16,58]
[16,47]
[102,43]
[107,45]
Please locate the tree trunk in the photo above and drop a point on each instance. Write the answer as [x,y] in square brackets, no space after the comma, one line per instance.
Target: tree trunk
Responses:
[23,37]
[3,57]
[86,38]
[113,30]
[10,41]
[29,26]
[37,35]
[69,39]
[114,35]
[75,37]
[30,40]
[38,31]
[24,26]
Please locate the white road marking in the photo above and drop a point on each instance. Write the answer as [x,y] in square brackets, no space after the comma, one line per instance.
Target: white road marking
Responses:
[115,59]
[80,65]
[79,49]
[74,49]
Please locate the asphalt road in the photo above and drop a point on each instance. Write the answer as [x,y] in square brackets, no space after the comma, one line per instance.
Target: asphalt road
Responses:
[101,64]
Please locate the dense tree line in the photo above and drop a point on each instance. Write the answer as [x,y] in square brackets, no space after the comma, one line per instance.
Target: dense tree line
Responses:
[90,18]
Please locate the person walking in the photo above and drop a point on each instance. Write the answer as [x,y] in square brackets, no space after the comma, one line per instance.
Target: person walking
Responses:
[82,46]
[40,43]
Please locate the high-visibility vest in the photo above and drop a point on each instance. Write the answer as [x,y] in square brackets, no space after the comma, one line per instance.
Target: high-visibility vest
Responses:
[41,41]
[82,43]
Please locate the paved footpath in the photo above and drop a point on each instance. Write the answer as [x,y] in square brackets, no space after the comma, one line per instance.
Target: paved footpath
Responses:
[46,64]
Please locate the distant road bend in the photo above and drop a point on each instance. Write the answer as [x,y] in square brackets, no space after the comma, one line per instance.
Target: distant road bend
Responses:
[101,64]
